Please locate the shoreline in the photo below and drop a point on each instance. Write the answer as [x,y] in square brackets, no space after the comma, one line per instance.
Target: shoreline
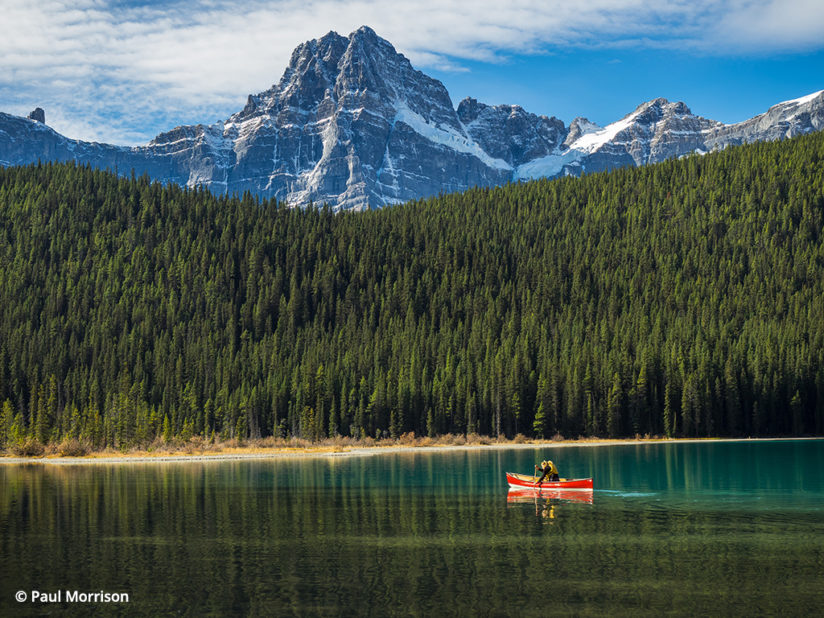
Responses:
[251,453]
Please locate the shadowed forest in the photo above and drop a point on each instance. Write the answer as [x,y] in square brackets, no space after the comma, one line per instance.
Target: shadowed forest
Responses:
[680,299]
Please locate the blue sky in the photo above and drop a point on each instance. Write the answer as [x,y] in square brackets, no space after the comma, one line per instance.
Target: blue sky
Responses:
[122,71]
[604,85]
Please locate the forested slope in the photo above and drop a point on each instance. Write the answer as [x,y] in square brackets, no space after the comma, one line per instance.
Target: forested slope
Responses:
[684,298]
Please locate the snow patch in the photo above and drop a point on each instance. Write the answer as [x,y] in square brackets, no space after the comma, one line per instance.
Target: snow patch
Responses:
[803,100]
[446,136]
[591,141]
[548,166]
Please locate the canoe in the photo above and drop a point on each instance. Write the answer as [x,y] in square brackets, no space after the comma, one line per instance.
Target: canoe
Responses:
[524,481]
[529,496]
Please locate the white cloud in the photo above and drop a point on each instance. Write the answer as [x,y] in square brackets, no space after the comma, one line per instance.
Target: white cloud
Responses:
[137,64]
[770,25]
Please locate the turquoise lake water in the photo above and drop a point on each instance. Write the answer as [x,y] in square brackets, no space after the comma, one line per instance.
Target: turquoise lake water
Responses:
[710,528]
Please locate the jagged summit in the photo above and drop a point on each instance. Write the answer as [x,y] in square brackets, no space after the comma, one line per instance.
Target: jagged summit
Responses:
[337,127]
[359,68]
[510,133]
[578,127]
[38,115]
[352,123]
[657,109]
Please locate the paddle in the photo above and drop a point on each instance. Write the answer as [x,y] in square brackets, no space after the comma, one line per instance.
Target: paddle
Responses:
[537,482]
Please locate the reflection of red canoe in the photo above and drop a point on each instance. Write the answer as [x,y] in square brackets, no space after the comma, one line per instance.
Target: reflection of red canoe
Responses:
[524,481]
[567,495]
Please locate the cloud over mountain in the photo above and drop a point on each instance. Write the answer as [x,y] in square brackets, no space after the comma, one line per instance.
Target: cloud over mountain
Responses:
[141,64]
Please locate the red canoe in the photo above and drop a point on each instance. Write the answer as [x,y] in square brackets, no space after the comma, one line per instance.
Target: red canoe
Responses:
[527,481]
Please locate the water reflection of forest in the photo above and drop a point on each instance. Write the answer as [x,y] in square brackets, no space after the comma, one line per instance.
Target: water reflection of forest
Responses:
[399,534]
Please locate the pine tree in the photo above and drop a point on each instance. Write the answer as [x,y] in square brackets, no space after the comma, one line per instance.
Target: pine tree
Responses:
[614,406]
[6,420]
[167,429]
[540,423]
[669,416]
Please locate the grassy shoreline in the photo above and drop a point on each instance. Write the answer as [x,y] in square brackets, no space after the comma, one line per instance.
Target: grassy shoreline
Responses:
[272,449]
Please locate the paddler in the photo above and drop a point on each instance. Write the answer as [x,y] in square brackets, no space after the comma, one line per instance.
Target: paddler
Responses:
[548,470]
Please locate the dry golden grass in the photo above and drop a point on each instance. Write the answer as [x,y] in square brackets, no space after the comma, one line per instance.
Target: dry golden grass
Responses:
[200,446]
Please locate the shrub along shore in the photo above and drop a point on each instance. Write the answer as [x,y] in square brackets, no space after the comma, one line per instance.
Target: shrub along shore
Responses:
[72,451]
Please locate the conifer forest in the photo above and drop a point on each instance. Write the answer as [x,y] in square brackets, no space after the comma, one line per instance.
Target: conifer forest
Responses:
[679,299]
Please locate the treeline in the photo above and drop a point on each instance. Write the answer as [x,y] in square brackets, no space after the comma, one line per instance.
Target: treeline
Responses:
[680,299]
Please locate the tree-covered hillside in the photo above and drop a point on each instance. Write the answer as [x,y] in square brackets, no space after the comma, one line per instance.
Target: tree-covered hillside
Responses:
[685,299]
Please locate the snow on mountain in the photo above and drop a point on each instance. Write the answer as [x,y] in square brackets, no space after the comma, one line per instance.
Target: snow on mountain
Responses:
[658,130]
[351,123]
[594,139]
[578,127]
[446,136]
[801,101]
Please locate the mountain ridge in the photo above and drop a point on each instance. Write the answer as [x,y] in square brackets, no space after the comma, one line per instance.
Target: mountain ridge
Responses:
[353,124]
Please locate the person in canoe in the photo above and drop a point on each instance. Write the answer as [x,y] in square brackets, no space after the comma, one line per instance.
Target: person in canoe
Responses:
[548,472]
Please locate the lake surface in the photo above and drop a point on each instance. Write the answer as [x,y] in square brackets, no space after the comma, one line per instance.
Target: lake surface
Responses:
[712,528]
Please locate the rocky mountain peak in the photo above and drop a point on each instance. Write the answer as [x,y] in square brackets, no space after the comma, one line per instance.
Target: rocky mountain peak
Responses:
[584,125]
[373,74]
[578,127]
[365,37]
[657,109]
[469,109]
[365,48]
[361,71]
[508,132]
[309,76]
[325,51]
[38,115]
